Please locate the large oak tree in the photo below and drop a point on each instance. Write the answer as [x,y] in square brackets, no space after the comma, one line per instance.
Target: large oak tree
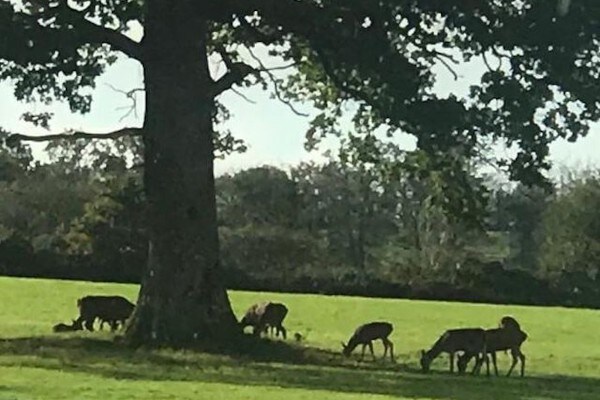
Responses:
[542,83]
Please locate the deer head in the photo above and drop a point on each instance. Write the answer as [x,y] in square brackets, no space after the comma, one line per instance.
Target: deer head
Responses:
[345,349]
[425,361]
[77,326]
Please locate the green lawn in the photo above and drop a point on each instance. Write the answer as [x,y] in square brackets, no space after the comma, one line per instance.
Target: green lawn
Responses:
[563,352]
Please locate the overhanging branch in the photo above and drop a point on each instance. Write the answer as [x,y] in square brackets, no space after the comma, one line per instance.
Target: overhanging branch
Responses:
[275,83]
[259,35]
[74,135]
[104,35]
[85,30]
[448,67]
[329,70]
[237,72]
[243,96]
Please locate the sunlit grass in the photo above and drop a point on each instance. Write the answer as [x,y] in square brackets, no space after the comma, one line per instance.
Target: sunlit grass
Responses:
[563,358]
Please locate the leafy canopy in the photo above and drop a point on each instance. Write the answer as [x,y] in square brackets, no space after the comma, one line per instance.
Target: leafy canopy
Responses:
[542,80]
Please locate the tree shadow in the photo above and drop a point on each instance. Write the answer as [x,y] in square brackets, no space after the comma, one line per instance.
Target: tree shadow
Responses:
[275,363]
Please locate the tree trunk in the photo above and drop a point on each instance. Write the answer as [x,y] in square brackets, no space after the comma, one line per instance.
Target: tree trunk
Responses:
[182,301]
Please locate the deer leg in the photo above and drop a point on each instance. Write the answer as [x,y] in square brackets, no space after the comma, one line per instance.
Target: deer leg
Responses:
[362,356]
[478,361]
[283,332]
[452,362]
[460,364]
[522,358]
[476,366]
[494,362]
[514,361]
[487,363]
[257,330]
[89,325]
[387,344]
[371,349]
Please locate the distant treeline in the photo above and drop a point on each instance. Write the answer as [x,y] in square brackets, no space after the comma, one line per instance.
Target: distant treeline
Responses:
[335,228]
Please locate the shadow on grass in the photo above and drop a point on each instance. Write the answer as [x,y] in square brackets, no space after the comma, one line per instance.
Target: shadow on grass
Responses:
[266,363]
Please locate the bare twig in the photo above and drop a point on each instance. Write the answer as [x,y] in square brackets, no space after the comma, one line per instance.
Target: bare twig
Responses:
[501,55]
[74,135]
[275,83]
[130,109]
[487,64]
[444,58]
[131,95]
[243,96]
[448,67]
[447,56]
[279,67]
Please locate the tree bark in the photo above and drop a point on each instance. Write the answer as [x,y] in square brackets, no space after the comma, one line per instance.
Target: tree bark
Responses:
[182,300]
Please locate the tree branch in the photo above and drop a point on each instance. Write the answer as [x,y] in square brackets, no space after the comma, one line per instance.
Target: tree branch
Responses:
[487,64]
[74,135]
[291,11]
[339,83]
[259,35]
[131,95]
[279,67]
[273,79]
[237,72]
[224,56]
[235,76]
[105,35]
[85,29]
[243,96]
[448,67]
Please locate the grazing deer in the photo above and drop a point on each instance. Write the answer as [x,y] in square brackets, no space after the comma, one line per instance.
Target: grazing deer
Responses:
[469,340]
[60,327]
[365,334]
[265,315]
[500,339]
[111,309]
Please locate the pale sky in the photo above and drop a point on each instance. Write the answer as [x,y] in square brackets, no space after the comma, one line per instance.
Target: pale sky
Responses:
[273,133]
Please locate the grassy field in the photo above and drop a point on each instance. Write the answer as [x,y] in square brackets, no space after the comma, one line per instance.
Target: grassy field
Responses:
[563,352]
